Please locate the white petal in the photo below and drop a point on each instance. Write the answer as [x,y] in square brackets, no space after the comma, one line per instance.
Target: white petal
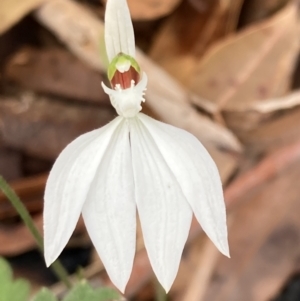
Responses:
[197,174]
[119,34]
[164,212]
[110,211]
[68,185]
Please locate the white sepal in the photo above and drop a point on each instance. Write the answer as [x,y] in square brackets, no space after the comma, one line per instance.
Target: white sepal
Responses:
[164,212]
[110,211]
[68,185]
[118,31]
[197,174]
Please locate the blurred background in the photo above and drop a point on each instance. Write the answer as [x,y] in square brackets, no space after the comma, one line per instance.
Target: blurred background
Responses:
[226,70]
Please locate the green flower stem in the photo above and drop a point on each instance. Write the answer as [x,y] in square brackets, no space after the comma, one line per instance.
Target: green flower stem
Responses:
[57,267]
[159,292]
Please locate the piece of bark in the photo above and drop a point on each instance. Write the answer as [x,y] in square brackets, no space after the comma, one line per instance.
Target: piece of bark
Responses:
[57,72]
[188,33]
[11,11]
[255,64]
[81,31]
[42,126]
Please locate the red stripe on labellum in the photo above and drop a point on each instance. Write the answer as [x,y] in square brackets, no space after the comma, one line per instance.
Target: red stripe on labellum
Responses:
[124,79]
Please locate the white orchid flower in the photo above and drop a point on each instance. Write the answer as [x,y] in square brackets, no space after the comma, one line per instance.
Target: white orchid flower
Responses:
[134,163]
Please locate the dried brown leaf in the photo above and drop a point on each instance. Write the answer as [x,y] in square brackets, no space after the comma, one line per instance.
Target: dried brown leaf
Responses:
[264,239]
[255,10]
[255,64]
[150,9]
[277,104]
[32,123]
[10,164]
[187,34]
[15,237]
[273,133]
[56,72]
[235,194]
[206,264]
[267,125]
[31,192]
[11,11]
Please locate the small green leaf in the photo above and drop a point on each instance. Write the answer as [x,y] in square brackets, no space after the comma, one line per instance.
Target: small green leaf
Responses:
[84,292]
[5,271]
[11,290]
[44,295]
[107,294]
[81,292]
[5,279]
[19,290]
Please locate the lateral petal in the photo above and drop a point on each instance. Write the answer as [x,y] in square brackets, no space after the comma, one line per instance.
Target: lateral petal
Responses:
[68,185]
[197,174]
[164,212]
[110,211]
[118,31]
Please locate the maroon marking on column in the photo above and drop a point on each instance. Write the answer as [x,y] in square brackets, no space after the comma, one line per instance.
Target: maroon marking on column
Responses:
[124,79]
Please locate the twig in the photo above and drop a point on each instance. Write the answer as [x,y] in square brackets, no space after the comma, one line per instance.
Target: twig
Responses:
[203,273]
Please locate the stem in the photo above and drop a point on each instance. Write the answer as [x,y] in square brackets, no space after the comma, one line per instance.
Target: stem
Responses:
[160,293]
[57,267]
